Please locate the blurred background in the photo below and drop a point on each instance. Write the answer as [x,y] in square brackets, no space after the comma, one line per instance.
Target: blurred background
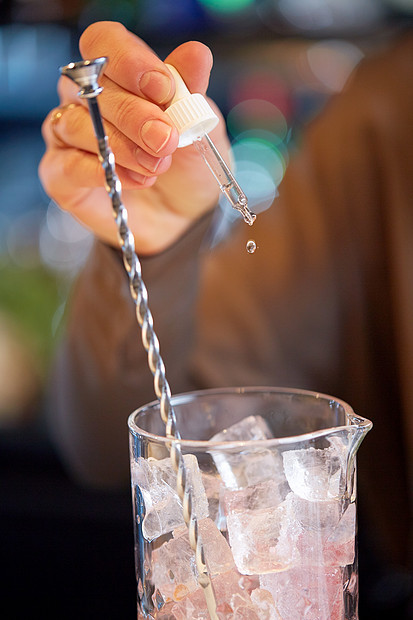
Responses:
[276,63]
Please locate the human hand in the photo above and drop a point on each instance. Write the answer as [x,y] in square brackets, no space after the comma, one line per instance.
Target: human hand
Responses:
[163,188]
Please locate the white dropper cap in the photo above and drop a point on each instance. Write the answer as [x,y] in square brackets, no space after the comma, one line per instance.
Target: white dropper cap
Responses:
[190,112]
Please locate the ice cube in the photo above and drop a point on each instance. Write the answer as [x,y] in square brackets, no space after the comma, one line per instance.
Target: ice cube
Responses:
[306,593]
[253,524]
[254,427]
[163,508]
[231,600]
[340,542]
[263,465]
[263,495]
[317,533]
[239,608]
[212,484]
[315,474]
[253,537]
[264,604]
[239,469]
[174,566]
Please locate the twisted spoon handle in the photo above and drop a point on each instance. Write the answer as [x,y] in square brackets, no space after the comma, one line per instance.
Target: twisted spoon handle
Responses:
[85,74]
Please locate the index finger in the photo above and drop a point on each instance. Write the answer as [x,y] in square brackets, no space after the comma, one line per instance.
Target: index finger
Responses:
[132,64]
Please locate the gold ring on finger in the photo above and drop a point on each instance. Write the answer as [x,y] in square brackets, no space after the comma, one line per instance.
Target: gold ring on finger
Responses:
[57,115]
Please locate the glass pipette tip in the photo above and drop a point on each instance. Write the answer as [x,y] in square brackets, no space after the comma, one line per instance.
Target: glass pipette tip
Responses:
[226,180]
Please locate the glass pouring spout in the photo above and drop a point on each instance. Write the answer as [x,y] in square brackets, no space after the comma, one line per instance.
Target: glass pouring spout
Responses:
[194,118]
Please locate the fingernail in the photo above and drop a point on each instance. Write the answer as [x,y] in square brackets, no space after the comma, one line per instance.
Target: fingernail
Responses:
[136,176]
[148,161]
[155,134]
[139,178]
[156,86]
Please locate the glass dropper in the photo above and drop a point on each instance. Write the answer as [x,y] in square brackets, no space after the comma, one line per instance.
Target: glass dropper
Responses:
[226,180]
[194,118]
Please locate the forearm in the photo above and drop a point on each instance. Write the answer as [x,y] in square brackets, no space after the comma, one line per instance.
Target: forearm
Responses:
[101,371]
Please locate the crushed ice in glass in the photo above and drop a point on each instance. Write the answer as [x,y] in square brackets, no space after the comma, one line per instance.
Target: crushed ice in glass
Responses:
[163,507]
[278,537]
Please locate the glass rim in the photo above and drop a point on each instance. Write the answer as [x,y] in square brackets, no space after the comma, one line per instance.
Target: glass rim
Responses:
[356,422]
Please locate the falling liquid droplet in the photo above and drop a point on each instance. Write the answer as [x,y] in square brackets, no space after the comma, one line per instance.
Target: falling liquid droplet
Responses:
[251,246]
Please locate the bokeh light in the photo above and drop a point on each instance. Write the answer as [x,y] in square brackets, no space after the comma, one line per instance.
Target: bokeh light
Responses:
[63,243]
[226,6]
[257,114]
[329,16]
[23,238]
[331,62]
[265,84]
[257,184]
[51,238]
[250,148]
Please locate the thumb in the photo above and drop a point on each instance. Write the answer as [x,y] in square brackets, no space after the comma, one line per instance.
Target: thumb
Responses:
[194,62]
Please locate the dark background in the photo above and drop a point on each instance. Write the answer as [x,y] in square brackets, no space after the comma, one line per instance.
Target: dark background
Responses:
[66,551]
